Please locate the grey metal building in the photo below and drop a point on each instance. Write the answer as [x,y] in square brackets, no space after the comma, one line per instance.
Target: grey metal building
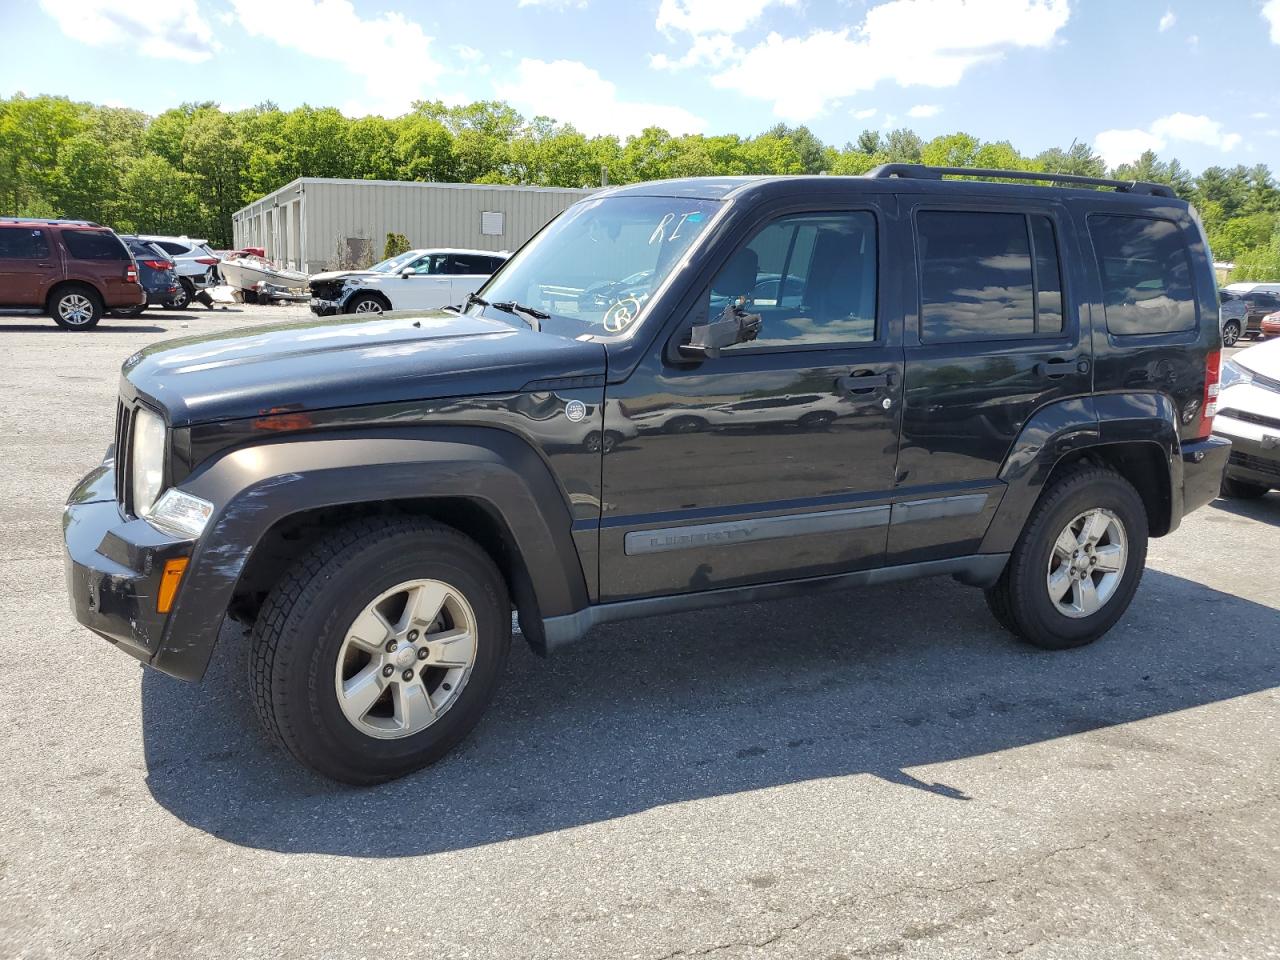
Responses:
[314,224]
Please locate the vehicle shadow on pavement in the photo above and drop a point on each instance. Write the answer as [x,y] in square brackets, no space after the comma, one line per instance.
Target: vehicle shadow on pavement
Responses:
[654,712]
[108,325]
[1265,509]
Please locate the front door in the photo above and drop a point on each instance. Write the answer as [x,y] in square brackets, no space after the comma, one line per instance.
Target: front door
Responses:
[775,459]
[423,284]
[995,339]
[27,266]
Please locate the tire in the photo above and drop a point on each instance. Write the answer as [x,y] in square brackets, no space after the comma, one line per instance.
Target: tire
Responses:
[182,299]
[1231,333]
[365,303]
[817,420]
[75,308]
[130,311]
[1021,600]
[306,624]
[1242,489]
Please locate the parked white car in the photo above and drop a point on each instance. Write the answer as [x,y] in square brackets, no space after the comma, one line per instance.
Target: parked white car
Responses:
[195,263]
[432,279]
[1249,416]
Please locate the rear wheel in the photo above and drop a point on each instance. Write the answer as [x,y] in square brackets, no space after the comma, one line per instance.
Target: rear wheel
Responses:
[1230,333]
[75,308]
[1242,490]
[380,649]
[181,298]
[1077,564]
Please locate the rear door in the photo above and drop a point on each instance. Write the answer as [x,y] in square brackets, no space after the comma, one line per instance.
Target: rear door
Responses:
[993,340]
[28,266]
[467,273]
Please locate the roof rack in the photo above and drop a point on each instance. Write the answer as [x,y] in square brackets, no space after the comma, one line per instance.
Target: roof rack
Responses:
[50,220]
[918,171]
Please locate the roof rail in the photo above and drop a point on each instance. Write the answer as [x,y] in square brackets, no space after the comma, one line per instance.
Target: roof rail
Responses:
[50,220]
[918,171]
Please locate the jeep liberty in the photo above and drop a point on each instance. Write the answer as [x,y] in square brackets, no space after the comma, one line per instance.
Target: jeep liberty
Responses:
[676,395]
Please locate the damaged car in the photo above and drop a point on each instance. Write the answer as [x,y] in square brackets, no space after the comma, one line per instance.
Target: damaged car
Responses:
[418,280]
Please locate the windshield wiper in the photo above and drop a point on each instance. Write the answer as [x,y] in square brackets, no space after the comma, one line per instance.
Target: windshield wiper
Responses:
[531,315]
[472,298]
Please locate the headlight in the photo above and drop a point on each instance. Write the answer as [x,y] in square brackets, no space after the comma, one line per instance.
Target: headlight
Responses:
[1233,373]
[180,513]
[146,460]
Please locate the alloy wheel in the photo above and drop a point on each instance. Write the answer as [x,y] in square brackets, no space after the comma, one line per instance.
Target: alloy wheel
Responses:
[405,659]
[368,306]
[1087,563]
[75,310]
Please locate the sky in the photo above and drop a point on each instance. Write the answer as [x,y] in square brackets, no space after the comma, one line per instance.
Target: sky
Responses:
[1192,79]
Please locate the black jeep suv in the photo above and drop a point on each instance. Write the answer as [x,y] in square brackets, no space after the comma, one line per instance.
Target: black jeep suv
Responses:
[676,395]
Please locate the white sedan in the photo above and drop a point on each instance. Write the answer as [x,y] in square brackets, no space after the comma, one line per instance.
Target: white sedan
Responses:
[427,281]
[1249,416]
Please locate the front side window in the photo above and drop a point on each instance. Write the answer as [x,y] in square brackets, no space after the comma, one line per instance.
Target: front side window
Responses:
[987,276]
[595,268]
[94,245]
[430,264]
[23,243]
[1146,275]
[811,278]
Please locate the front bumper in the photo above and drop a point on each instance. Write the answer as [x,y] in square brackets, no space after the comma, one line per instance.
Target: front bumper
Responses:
[1255,450]
[114,566]
[325,308]
[1202,464]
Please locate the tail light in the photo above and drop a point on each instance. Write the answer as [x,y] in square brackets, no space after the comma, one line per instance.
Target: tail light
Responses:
[158,264]
[1212,386]
[131,274]
[208,261]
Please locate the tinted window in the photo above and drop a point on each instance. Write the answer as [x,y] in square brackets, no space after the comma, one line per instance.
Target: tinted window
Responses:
[1146,274]
[812,279]
[988,276]
[470,263]
[94,245]
[495,263]
[169,247]
[23,243]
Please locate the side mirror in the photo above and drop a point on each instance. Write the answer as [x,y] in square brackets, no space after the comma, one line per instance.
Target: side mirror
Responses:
[734,325]
[407,272]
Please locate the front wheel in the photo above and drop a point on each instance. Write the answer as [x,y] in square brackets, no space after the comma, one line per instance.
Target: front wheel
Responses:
[380,649]
[1077,564]
[365,303]
[1231,333]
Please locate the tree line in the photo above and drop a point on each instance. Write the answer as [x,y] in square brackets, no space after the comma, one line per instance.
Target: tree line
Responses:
[188,169]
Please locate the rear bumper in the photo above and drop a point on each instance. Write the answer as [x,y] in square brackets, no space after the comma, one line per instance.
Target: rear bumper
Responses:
[113,568]
[124,295]
[1203,462]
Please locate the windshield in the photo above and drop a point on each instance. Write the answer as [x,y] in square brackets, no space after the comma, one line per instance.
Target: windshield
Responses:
[595,267]
[391,264]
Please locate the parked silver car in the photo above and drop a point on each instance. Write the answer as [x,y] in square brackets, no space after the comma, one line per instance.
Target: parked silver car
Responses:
[1232,314]
[196,264]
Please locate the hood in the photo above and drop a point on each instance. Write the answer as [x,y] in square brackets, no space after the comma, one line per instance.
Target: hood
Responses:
[1263,359]
[346,361]
[340,275]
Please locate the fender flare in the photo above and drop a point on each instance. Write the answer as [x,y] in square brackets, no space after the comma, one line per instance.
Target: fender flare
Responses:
[254,487]
[1071,426]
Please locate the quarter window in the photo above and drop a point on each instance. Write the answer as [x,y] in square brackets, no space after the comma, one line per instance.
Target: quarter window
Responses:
[811,277]
[1146,275]
[94,245]
[23,243]
[988,276]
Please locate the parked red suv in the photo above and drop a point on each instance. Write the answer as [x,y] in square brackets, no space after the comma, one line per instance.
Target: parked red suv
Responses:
[71,270]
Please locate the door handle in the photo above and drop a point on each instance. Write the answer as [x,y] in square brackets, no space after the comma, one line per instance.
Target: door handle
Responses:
[1060,368]
[863,381]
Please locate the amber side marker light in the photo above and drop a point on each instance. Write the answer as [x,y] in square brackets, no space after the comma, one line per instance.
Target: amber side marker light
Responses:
[169,581]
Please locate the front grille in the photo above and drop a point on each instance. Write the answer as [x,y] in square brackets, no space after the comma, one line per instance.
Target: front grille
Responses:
[124,432]
[326,289]
[1269,467]
[1257,418]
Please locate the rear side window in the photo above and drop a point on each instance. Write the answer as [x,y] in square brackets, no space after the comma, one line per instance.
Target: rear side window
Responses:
[1146,275]
[94,245]
[469,263]
[177,249]
[988,276]
[23,243]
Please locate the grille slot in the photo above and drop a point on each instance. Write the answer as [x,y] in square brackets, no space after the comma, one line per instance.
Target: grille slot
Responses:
[124,434]
[1257,418]
[1269,467]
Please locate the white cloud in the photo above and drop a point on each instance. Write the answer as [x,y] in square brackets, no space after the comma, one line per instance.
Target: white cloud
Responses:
[1259,115]
[698,17]
[924,110]
[572,92]
[1271,13]
[929,43]
[711,49]
[164,29]
[469,54]
[391,54]
[1168,20]
[1125,146]
[866,114]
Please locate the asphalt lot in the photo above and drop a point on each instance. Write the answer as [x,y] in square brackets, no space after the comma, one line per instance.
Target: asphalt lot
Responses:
[878,774]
